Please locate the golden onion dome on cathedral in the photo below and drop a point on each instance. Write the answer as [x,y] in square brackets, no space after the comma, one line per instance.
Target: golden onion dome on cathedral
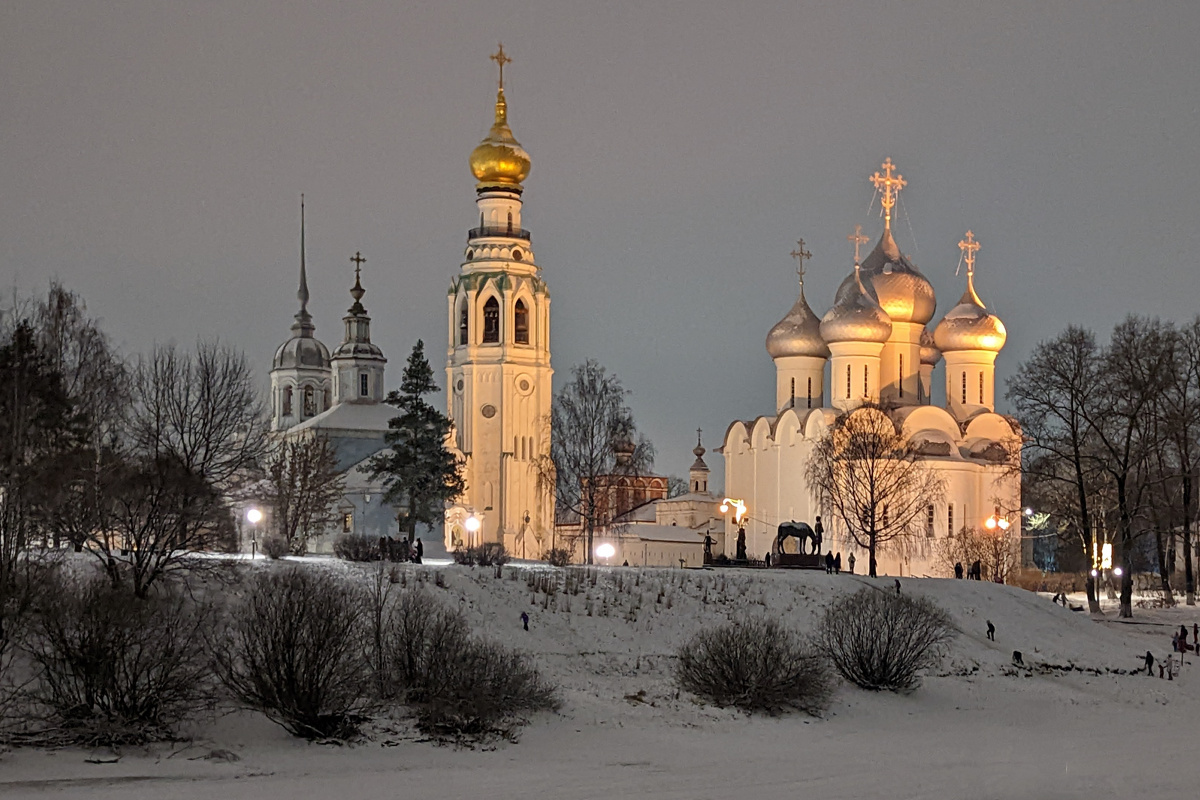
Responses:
[499,161]
[798,333]
[930,355]
[856,317]
[895,282]
[969,325]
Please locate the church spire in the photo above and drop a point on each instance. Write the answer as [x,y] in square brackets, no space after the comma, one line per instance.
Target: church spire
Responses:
[890,185]
[303,326]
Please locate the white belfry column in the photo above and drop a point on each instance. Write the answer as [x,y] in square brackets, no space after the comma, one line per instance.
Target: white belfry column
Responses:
[498,371]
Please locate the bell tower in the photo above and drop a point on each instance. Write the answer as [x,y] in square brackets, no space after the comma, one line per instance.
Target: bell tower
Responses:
[498,369]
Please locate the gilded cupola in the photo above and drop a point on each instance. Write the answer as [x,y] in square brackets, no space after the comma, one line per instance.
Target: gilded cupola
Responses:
[799,332]
[499,162]
[969,325]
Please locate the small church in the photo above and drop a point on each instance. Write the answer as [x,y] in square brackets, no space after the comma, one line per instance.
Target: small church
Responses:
[877,345]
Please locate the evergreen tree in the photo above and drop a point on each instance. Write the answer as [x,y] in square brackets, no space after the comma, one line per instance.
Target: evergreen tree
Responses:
[420,474]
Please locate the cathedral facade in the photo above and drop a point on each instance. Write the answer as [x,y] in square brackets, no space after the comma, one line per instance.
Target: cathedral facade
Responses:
[498,373]
[876,346]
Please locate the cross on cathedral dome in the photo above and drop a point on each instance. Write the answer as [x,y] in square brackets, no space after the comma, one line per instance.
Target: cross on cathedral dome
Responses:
[799,332]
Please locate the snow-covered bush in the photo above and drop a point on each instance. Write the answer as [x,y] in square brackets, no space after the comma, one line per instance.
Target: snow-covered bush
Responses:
[274,546]
[458,685]
[492,554]
[558,557]
[356,547]
[755,664]
[113,668]
[294,650]
[880,640]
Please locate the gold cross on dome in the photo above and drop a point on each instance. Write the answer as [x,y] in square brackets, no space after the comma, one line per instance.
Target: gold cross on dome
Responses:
[858,239]
[890,186]
[801,255]
[358,261]
[501,58]
[969,248]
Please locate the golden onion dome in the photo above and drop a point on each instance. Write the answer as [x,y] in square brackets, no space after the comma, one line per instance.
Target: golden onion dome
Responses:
[798,333]
[499,160]
[969,325]
[856,317]
[895,282]
[930,355]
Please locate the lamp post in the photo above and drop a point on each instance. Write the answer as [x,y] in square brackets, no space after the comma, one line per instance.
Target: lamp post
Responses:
[739,513]
[254,516]
[472,524]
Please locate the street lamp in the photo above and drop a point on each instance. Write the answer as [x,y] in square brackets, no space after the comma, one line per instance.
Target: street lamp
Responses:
[739,512]
[254,516]
[606,551]
[997,520]
[472,524]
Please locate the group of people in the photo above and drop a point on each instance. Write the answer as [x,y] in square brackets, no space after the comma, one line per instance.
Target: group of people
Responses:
[400,550]
[1179,641]
[833,563]
[973,572]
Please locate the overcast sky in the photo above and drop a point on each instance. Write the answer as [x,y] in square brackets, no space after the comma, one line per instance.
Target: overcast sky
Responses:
[152,155]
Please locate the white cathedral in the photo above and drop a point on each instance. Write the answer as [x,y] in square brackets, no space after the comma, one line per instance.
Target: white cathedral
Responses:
[875,346]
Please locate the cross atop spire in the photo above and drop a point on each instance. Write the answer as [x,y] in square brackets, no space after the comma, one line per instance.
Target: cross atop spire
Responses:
[890,186]
[357,292]
[969,247]
[858,239]
[501,58]
[303,293]
[801,255]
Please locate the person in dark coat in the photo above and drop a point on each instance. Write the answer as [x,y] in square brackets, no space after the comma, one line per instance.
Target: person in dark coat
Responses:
[837,563]
[1183,645]
[418,551]
[525,619]
[958,570]
[897,586]
[1149,664]
[991,634]
[829,563]
[850,563]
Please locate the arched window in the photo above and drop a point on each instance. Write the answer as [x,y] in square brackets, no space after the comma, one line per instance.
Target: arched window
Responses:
[510,222]
[326,397]
[793,403]
[521,323]
[866,376]
[964,388]
[981,388]
[364,385]
[929,521]
[950,518]
[310,402]
[491,321]
[810,392]
[847,381]
[463,316]
[900,383]
[287,402]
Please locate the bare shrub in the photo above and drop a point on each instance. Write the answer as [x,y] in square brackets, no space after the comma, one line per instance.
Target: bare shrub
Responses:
[356,547]
[116,669]
[755,664]
[294,651]
[275,546]
[492,554]
[879,640]
[558,557]
[459,686]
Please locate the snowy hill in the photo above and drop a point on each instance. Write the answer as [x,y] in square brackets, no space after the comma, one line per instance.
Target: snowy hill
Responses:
[607,637]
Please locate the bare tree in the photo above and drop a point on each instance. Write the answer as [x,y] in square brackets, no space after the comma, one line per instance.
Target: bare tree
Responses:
[997,552]
[195,432]
[303,486]
[867,474]
[1055,396]
[1179,411]
[590,425]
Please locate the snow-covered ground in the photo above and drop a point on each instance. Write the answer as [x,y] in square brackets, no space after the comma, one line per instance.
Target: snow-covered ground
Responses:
[976,728]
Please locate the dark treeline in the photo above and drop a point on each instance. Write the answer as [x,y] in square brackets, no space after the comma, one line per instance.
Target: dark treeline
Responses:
[1112,447]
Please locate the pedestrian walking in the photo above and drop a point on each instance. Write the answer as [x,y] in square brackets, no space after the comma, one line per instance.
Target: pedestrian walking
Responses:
[958,573]
[991,634]
[850,563]
[418,551]
[829,563]
[897,586]
[525,620]
[837,563]
[1149,663]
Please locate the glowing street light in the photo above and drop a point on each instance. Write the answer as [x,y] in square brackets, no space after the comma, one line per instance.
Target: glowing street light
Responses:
[739,509]
[605,551]
[472,523]
[254,516]
[997,520]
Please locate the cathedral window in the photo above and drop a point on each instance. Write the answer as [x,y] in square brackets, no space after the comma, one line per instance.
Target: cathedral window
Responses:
[950,518]
[287,402]
[510,222]
[847,381]
[347,522]
[310,402]
[793,403]
[901,381]
[929,521]
[521,323]
[463,314]
[364,384]
[866,377]
[326,396]
[810,392]
[491,321]
[964,388]
[981,388]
